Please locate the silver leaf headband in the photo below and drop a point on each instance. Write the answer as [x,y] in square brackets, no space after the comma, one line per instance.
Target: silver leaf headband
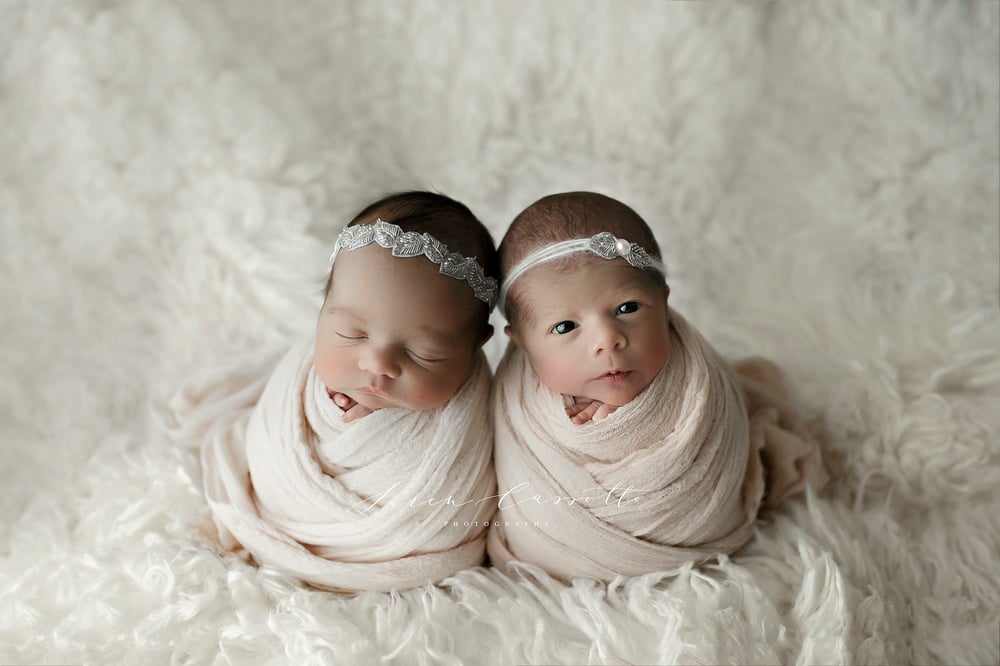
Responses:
[603,244]
[411,244]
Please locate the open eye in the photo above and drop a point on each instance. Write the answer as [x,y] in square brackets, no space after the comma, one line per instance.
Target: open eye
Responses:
[563,327]
[628,307]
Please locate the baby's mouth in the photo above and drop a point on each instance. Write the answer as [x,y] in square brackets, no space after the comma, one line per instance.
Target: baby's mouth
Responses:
[615,376]
[351,393]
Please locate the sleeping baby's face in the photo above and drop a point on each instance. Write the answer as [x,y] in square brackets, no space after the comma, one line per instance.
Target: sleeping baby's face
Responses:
[597,330]
[394,332]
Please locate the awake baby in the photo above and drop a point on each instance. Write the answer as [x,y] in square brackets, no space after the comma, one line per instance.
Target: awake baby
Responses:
[624,443]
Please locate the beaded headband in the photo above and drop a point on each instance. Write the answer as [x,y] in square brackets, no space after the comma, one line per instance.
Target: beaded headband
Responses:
[412,244]
[603,245]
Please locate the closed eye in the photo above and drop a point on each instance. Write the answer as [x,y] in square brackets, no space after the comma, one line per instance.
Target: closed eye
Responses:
[355,336]
[628,307]
[426,359]
[563,327]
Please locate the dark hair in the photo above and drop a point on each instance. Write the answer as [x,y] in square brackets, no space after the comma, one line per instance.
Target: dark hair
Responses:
[565,216]
[445,219]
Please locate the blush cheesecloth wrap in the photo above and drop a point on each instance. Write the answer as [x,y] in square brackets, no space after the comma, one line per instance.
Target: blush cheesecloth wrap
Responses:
[381,503]
[675,475]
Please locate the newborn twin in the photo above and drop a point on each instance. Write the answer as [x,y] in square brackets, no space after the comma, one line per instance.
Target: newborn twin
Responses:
[614,440]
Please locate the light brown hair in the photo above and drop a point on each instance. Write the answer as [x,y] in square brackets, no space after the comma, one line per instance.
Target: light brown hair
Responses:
[566,216]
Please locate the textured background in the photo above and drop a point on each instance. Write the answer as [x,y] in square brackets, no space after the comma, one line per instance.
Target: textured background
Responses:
[823,178]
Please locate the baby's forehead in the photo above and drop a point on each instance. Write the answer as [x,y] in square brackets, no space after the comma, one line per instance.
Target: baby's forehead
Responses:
[371,284]
[587,269]
[546,286]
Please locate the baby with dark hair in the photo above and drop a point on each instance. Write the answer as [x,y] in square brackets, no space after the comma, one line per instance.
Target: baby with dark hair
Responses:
[404,333]
[354,463]
[624,443]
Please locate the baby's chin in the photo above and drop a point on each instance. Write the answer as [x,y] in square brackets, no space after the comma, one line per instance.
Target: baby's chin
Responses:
[373,401]
[616,395]
[616,399]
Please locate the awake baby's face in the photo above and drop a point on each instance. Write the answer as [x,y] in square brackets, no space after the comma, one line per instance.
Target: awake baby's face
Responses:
[395,332]
[597,330]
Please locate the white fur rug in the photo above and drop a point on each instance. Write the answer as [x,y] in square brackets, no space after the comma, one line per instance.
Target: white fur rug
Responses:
[823,178]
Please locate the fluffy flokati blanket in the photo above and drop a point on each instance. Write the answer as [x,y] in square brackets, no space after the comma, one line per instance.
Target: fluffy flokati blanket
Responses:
[394,500]
[823,179]
[677,474]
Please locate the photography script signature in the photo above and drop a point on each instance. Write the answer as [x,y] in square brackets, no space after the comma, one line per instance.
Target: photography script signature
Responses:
[616,495]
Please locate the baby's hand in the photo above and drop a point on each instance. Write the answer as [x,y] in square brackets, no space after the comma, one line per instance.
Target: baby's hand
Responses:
[352,410]
[586,410]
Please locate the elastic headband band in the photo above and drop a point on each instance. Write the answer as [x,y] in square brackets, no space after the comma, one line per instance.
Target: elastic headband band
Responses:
[603,245]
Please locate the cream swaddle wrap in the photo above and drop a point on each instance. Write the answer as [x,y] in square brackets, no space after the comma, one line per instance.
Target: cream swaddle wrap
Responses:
[369,505]
[677,474]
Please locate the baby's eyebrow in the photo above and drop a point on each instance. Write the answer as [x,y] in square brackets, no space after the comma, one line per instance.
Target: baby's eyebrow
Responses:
[339,309]
[632,284]
[437,336]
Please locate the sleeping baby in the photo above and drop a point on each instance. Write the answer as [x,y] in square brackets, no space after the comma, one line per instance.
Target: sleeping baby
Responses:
[624,443]
[349,464]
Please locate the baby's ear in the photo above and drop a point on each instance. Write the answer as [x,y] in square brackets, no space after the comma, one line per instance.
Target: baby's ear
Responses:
[666,298]
[512,335]
[487,334]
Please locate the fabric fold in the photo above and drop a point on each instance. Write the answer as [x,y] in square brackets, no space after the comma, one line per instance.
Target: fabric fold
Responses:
[677,474]
[394,500]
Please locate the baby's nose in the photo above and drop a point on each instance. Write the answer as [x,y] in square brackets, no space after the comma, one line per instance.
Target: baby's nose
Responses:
[609,338]
[380,362]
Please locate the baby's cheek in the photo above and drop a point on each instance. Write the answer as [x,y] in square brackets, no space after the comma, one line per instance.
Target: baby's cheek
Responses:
[433,390]
[429,397]
[330,368]
[655,359]
[429,393]
[560,375]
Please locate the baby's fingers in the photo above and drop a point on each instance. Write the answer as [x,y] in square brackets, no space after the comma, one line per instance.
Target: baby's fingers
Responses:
[343,401]
[356,412]
[604,411]
[573,410]
[587,413]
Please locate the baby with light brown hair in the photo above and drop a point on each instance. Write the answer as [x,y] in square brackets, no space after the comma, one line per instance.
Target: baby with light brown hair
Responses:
[595,330]
[668,451]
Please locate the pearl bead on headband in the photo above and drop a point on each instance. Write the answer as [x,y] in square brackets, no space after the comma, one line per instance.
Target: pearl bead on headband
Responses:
[411,244]
[603,245]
